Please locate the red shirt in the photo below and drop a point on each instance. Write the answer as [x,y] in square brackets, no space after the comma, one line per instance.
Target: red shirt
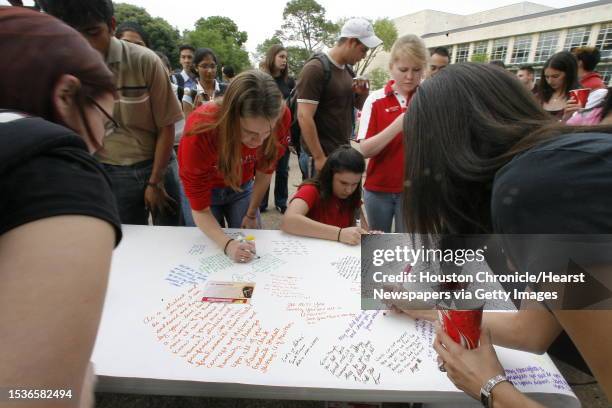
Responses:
[332,211]
[592,80]
[385,171]
[198,156]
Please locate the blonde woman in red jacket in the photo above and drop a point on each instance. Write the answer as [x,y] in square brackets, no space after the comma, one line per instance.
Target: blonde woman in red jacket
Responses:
[380,133]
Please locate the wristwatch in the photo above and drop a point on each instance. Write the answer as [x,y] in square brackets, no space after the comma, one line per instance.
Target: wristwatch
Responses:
[485,392]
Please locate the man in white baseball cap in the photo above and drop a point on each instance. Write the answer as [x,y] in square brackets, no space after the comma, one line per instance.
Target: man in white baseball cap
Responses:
[327,93]
[362,30]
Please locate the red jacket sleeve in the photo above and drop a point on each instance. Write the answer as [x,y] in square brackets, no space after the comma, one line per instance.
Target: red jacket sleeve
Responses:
[197,158]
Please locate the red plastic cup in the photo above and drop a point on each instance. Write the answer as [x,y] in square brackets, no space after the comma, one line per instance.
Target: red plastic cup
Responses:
[463,326]
[580,95]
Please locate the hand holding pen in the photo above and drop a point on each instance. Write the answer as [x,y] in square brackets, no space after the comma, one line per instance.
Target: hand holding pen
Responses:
[242,249]
[251,240]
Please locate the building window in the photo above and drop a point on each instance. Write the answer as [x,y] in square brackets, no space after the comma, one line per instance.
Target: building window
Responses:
[462,52]
[481,48]
[547,45]
[577,37]
[604,40]
[500,49]
[450,52]
[520,52]
[606,74]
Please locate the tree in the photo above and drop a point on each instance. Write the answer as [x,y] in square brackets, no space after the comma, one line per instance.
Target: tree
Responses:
[221,35]
[386,31]
[162,36]
[479,58]
[297,59]
[260,51]
[378,78]
[224,26]
[305,24]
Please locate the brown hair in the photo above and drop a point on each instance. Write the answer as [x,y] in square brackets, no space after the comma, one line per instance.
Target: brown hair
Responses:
[268,65]
[252,93]
[38,49]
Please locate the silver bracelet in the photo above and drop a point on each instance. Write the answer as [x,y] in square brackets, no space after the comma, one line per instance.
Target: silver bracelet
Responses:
[487,388]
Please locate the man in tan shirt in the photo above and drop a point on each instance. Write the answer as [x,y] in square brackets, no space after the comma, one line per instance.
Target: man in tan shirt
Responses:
[137,154]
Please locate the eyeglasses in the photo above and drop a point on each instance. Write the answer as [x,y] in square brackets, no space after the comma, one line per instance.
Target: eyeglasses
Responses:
[207,66]
[111,124]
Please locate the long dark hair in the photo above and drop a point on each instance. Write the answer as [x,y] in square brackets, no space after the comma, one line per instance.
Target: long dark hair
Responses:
[462,126]
[268,64]
[344,158]
[563,61]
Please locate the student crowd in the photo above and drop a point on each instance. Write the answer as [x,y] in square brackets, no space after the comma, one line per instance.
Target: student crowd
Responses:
[97,131]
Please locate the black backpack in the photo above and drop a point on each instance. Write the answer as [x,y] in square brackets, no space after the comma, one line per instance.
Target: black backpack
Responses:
[292,101]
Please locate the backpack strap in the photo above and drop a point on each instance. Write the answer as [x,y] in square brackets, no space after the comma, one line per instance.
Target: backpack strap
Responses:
[325,62]
[180,83]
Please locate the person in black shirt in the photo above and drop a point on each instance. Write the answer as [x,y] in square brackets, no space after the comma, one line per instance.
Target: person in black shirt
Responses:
[276,64]
[483,157]
[58,218]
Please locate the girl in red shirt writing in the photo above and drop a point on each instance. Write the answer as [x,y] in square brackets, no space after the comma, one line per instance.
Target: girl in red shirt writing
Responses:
[228,155]
[325,207]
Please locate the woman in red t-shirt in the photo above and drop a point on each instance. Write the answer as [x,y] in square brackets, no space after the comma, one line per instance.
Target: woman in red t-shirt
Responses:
[228,155]
[325,206]
[380,133]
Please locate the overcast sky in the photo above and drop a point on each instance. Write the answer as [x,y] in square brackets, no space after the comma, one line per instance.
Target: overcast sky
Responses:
[260,18]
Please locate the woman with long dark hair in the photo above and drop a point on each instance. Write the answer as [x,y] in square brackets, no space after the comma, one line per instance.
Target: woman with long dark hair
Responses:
[559,76]
[482,157]
[276,64]
[325,207]
[227,155]
[58,217]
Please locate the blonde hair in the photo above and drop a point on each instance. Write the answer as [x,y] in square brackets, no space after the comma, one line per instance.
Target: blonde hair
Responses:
[251,94]
[409,46]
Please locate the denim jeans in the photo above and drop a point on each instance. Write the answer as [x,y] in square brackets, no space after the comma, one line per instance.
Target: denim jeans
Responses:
[382,208]
[229,207]
[129,184]
[281,184]
[307,166]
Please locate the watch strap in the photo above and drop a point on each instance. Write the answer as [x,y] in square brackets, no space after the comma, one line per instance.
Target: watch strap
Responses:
[485,391]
